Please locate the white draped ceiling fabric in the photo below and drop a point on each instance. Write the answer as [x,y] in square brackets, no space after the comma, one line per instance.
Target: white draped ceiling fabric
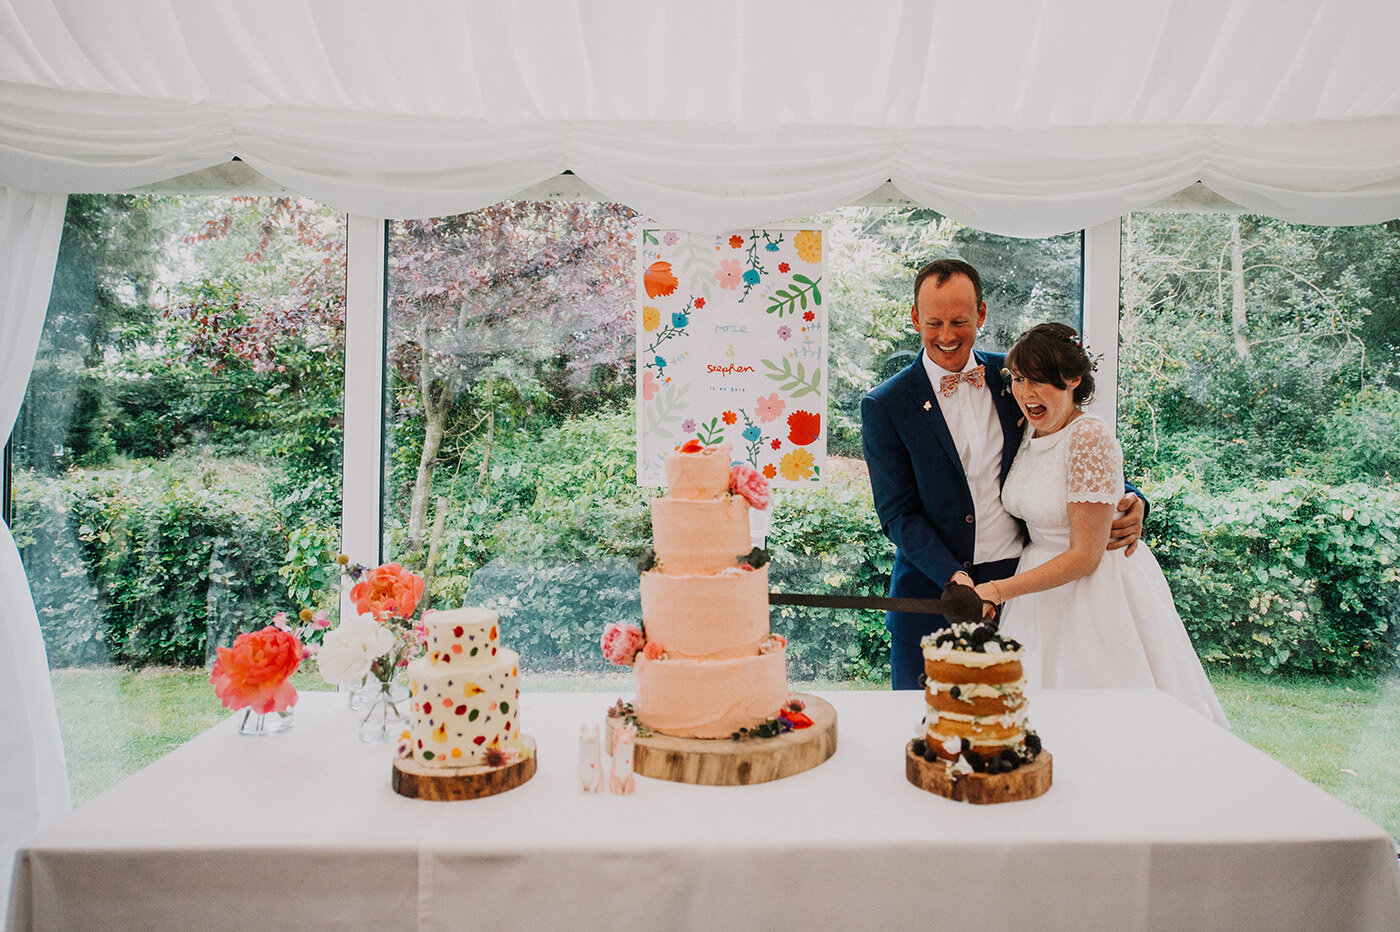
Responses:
[1023,117]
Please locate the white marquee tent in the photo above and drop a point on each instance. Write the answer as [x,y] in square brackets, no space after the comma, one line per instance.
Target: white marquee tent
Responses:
[1023,117]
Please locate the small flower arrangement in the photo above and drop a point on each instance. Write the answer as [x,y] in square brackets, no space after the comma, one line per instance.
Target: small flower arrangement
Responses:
[375,644]
[790,718]
[381,638]
[255,673]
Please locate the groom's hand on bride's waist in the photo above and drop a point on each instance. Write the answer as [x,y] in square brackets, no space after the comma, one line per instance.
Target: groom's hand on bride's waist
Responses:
[1127,526]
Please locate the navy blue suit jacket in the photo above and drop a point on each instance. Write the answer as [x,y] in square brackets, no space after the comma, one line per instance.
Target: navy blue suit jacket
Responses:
[921,491]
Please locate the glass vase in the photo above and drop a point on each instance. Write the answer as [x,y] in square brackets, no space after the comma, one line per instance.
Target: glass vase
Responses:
[385,714]
[263,725]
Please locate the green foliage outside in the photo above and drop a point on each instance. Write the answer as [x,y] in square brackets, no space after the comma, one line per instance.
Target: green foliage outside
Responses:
[192,366]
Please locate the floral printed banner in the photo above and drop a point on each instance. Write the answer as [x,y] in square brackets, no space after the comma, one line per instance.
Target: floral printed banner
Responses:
[731,348]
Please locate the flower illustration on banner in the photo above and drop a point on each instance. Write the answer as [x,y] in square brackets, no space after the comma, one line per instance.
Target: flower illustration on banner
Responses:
[736,241]
[784,267]
[777,443]
[651,318]
[804,427]
[729,274]
[649,385]
[679,319]
[770,470]
[730,417]
[796,465]
[699,303]
[809,316]
[659,280]
[784,333]
[751,277]
[808,244]
[688,425]
[671,239]
[770,407]
[752,433]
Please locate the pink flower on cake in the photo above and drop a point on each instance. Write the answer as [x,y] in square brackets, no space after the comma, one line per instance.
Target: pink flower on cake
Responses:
[749,482]
[256,671]
[621,643]
[654,651]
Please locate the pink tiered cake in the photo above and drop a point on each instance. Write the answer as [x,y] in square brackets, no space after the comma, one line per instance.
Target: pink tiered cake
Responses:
[708,665]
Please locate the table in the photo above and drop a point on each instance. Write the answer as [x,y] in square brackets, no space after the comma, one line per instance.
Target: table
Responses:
[1157,820]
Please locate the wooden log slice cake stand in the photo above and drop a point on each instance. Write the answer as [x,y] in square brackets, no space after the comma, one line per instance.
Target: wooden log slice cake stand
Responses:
[1025,782]
[449,784]
[730,762]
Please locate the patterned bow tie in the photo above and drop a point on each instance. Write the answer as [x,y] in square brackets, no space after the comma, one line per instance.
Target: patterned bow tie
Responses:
[976,377]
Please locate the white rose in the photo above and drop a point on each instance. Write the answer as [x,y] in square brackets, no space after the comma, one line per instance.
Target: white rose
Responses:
[351,648]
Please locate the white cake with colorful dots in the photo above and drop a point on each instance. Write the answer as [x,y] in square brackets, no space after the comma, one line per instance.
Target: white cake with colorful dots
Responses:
[465,693]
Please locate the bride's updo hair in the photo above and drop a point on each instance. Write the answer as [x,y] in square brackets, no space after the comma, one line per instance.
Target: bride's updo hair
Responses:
[1053,353]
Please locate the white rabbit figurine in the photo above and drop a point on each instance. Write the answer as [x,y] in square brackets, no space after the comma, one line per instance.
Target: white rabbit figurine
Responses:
[590,760]
[620,781]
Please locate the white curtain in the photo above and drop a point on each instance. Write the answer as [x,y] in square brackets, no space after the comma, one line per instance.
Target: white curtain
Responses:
[1025,117]
[33,777]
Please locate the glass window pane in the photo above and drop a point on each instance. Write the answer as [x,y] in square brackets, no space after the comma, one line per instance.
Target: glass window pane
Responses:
[1259,407]
[510,475]
[176,463]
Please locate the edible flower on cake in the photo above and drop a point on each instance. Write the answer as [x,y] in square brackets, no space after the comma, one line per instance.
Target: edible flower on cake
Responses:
[621,642]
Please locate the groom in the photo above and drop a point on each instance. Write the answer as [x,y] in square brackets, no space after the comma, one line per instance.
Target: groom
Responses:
[939,439]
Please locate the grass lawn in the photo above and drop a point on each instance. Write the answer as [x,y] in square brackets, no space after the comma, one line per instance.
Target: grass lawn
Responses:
[1343,735]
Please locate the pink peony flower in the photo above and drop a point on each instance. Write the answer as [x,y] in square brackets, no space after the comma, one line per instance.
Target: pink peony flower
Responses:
[621,643]
[654,651]
[749,482]
[256,671]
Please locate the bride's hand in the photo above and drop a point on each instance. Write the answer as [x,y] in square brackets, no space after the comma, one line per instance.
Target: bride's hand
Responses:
[990,595]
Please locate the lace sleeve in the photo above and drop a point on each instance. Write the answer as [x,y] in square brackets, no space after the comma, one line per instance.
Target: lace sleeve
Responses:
[1094,462]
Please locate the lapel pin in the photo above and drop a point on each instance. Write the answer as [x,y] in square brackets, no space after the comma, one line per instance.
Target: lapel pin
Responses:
[928,406]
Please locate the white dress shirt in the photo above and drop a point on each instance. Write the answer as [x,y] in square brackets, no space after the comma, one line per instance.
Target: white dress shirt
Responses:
[972,420]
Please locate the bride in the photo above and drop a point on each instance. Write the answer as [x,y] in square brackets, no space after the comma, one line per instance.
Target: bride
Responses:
[1088,616]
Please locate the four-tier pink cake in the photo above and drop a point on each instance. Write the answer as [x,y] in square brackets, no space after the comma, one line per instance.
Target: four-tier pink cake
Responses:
[708,665]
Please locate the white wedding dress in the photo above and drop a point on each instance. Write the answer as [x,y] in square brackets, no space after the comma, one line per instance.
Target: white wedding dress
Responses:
[1116,627]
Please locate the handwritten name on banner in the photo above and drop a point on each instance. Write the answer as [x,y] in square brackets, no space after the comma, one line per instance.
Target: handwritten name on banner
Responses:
[731,348]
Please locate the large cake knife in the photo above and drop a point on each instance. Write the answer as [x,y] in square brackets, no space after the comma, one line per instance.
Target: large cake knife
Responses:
[959,603]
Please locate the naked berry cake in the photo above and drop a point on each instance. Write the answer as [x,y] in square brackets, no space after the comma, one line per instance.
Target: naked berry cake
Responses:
[976,712]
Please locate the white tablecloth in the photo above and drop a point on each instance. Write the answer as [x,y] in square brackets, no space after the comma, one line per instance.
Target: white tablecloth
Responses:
[1156,820]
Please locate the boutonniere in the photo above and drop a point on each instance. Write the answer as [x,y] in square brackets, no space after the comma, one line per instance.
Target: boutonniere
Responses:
[928,406]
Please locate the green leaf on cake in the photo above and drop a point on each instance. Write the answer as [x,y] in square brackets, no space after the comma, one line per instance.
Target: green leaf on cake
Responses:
[757,558]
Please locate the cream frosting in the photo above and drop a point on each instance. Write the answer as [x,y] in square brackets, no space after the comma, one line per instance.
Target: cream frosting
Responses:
[464,692]
[710,698]
[699,537]
[720,616]
[702,475]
